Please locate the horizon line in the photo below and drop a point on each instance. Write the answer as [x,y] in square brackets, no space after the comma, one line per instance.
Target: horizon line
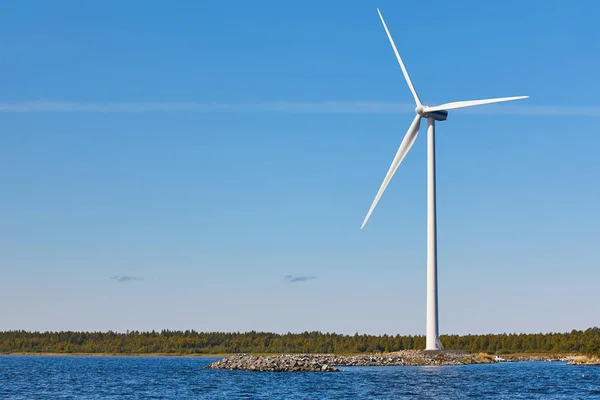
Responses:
[287,107]
[295,333]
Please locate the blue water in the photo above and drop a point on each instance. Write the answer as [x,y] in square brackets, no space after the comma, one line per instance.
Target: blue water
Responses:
[79,377]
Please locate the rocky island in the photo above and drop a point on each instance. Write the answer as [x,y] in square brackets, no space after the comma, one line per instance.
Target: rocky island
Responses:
[329,362]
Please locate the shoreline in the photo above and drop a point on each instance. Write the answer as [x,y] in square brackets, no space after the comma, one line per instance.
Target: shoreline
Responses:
[49,354]
[330,362]
[508,357]
[360,359]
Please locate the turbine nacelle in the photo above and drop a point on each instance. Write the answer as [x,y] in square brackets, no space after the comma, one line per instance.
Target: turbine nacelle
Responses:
[438,115]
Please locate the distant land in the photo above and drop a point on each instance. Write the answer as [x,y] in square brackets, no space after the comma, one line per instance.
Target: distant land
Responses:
[167,342]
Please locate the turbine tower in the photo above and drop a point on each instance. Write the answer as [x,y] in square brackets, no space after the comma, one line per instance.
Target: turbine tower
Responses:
[432,114]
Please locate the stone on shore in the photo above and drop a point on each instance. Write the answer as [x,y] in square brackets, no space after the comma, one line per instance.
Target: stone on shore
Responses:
[328,362]
[584,360]
[282,363]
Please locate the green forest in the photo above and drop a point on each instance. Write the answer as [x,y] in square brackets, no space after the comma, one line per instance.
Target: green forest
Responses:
[192,342]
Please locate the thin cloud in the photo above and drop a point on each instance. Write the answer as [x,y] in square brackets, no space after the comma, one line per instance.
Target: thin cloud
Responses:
[294,279]
[590,111]
[326,107]
[323,107]
[126,278]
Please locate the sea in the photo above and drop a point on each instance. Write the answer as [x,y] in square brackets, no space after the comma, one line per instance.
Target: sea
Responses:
[120,377]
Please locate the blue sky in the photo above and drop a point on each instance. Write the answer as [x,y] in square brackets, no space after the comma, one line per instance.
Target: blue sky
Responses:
[171,165]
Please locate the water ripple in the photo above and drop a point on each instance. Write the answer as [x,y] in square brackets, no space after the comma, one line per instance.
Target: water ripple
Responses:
[181,378]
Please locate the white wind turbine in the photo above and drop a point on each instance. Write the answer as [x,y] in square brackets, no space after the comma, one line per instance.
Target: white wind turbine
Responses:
[432,113]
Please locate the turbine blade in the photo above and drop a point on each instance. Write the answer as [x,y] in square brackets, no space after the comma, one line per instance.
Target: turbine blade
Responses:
[470,103]
[405,146]
[404,71]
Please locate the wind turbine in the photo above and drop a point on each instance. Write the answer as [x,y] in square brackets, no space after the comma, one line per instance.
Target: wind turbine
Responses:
[432,113]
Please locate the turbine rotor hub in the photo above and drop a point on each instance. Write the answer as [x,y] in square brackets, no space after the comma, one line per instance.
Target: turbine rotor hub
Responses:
[420,110]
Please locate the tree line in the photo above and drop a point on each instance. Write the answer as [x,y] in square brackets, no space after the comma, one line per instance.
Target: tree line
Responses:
[192,342]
